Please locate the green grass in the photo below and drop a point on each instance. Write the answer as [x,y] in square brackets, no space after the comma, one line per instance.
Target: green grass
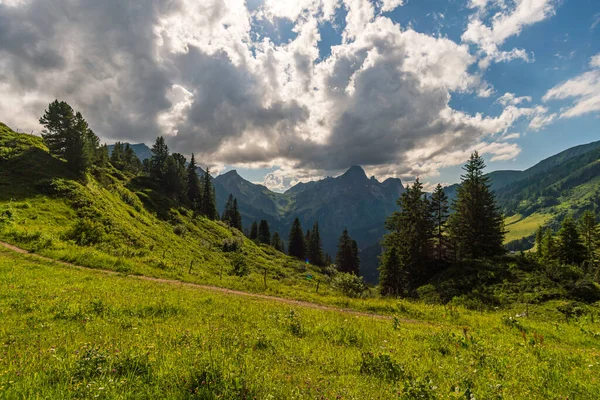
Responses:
[518,227]
[69,333]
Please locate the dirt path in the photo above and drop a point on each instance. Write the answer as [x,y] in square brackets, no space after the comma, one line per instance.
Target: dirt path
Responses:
[218,289]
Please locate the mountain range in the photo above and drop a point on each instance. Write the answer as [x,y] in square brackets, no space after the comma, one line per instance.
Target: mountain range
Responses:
[563,184]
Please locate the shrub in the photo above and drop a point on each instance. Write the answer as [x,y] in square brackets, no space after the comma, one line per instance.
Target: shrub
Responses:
[239,266]
[232,244]
[428,294]
[180,230]
[585,290]
[381,366]
[349,284]
[213,383]
[86,232]
[295,324]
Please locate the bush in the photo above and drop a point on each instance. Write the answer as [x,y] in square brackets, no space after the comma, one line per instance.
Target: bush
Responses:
[86,232]
[349,284]
[381,366]
[180,230]
[428,294]
[239,266]
[232,244]
[585,290]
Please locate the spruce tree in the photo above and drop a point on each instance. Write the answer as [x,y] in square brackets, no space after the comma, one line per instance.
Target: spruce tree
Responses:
[296,245]
[68,135]
[328,259]
[117,156]
[347,254]
[194,191]
[158,159]
[440,213]
[307,239]
[277,243]
[478,223]
[570,245]
[236,216]
[315,246]
[590,235]
[264,232]
[549,249]
[253,231]
[228,211]
[391,274]
[174,178]
[411,232]
[539,238]
[131,161]
[209,202]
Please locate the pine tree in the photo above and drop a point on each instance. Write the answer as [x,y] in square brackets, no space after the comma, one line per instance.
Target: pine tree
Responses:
[391,279]
[174,177]
[253,231]
[158,159]
[328,259]
[264,232]
[549,249]
[277,243]
[539,238]
[209,203]
[103,158]
[236,217]
[478,223]
[570,246]
[347,254]
[411,232]
[117,156]
[315,246]
[296,245]
[68,135]
[440,213]
[194,190]
[227,216]
[307,239]
[131,161]
[590,234]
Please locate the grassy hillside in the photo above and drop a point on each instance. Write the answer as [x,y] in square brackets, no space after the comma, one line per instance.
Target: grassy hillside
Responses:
[519,227]
[70,333]
[110,222]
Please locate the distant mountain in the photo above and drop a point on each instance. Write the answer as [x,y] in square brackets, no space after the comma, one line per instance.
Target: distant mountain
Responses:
[566,183]
[141,150]
[351,200]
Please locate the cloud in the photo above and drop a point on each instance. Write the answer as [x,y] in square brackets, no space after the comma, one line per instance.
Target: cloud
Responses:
[391,5]
[508,21]
[510,99]
[198,74]
[583,89]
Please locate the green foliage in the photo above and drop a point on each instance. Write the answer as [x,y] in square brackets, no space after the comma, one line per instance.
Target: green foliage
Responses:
[315,247]
[264,233]
[381,366]
[86,232]
[209,203]
[347,259]
[296,245]
[239,266]
[477,226]
[349,284]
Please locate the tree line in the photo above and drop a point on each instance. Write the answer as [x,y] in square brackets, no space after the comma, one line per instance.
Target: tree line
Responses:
[424,236]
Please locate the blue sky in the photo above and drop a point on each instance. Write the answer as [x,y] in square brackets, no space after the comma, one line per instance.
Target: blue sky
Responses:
[286,91]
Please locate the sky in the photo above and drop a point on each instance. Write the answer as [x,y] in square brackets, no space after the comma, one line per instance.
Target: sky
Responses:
[287,91]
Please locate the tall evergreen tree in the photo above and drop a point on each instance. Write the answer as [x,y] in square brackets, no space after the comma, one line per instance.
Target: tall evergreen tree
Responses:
[391,274]
[264,232]
[158,159]
[296,245]
[307,239]
[440,213]
[253,231]
[590,235]
[347,254]
[328,259]
[117,156]
[228,211]
[478,223]
[174,177]
[68,135]
[411,231]
[549,249]
[131,160]
[277,243]
[570,246]
[209,202]
[315,246]
[539,238]
[236,216]
[194,189]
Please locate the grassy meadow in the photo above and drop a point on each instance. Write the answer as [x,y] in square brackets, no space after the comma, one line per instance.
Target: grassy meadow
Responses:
[71,333]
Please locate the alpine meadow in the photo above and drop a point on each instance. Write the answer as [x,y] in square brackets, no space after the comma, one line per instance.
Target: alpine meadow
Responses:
[299,199]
